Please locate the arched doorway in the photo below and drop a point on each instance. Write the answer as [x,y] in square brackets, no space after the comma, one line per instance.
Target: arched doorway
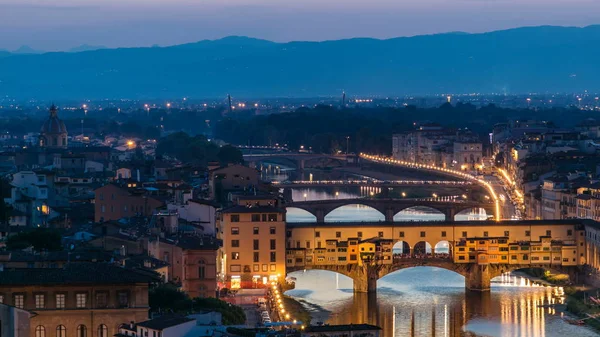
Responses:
[401,249]
[443,249]
[421,249]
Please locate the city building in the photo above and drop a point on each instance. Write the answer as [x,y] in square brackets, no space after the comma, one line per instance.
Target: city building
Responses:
[431,144]
[29,196]
[14,322]
[199,211]
[192,262]
[230,179]
[164,326]
[53,133]
[253,233]
[468,155]
[82,299]
[117,201]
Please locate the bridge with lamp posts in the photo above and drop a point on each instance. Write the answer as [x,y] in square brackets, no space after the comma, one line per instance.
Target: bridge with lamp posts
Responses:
[478,250]
[298,159]
[390,207]
[371,183]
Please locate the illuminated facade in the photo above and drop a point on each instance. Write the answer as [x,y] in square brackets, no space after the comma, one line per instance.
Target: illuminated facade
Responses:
[253,234]
[465,247]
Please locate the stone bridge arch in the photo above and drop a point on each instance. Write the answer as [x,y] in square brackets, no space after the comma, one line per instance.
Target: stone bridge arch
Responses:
[477,277]
[388,207]
[320,212]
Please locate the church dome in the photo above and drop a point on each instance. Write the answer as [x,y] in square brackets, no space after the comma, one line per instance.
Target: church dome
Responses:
[53,125]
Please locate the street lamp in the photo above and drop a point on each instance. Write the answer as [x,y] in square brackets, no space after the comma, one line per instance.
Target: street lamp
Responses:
[305,195]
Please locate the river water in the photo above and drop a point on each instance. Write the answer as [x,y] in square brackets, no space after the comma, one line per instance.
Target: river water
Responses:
[424,301]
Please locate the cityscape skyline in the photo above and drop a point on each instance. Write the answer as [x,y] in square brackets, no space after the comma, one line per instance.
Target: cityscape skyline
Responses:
[66,24]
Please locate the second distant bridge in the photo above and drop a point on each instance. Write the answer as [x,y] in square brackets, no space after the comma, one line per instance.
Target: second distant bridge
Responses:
[370,183]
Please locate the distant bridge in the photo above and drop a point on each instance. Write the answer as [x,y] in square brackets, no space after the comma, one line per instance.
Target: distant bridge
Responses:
[295,158]
[371,183]
[390,207]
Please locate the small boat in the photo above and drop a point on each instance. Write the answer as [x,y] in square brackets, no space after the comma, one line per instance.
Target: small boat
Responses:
[574,321]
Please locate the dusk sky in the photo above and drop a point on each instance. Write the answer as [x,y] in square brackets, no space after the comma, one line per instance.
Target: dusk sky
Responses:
[62,24]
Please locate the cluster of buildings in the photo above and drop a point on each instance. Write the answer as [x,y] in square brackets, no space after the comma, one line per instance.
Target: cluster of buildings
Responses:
[127,221]
[432,144]
[553,171]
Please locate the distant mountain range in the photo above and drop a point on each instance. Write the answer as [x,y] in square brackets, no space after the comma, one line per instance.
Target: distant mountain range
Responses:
[28,50]
[532,59]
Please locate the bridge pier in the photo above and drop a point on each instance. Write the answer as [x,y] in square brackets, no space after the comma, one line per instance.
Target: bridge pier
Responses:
[365,279]
[389,214]
[478,278]
[320,215]
[450,213]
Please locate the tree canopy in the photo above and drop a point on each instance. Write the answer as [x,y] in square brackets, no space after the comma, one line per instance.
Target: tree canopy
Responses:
[42,239]
[166,298]
[197,150]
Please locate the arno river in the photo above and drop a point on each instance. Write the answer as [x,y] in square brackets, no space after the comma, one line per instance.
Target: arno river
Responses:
[425,301]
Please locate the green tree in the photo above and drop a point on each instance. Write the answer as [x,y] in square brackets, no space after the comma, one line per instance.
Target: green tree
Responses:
[230,155]
[42,239]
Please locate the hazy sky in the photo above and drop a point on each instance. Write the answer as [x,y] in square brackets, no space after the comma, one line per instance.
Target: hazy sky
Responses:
[61,24]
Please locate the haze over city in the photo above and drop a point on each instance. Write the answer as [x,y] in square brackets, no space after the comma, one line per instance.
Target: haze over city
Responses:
[64,24]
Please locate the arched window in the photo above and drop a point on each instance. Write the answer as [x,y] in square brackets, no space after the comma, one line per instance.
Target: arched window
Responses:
[40,331]
[61,331]
[81,331]
[102,331]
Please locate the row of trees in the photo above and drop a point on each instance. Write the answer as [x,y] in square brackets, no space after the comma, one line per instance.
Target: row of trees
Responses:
[166,298]
[325,129]
[197,150]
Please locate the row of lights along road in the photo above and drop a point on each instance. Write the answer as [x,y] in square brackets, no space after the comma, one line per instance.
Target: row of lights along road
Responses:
[460,174]
[280,307]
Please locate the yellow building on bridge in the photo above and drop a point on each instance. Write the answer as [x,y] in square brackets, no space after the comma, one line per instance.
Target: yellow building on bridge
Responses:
[478,250]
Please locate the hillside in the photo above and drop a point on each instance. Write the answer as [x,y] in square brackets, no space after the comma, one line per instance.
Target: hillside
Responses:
[534,59]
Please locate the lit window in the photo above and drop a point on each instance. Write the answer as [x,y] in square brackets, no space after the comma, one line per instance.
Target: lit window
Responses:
[60,301]
[61,331]
[102,331]
[40,301]
[81,331]
[81,300]
[40,331]
[19,301]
